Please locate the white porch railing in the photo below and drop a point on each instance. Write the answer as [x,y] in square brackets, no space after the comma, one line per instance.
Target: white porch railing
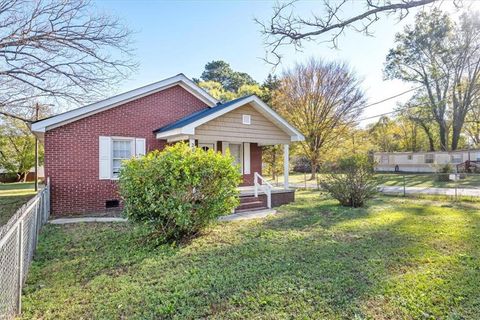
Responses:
[264,186]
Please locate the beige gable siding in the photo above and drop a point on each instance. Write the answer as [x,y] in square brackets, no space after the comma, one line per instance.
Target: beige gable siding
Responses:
[229,127]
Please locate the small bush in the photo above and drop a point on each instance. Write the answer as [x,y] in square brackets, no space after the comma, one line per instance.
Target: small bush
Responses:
[179,190]
[352,181]
[443,172]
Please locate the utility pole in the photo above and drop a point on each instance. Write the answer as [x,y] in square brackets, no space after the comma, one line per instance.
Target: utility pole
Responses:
[36,149]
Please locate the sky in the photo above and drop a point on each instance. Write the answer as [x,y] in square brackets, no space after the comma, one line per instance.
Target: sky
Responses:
[172,37]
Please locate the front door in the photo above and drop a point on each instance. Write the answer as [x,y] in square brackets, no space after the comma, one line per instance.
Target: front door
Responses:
[236,153]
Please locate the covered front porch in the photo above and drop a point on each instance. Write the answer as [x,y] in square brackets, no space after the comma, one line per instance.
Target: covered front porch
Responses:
[241,127]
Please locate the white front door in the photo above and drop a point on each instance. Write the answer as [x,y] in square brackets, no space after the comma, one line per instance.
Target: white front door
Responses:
[236,153]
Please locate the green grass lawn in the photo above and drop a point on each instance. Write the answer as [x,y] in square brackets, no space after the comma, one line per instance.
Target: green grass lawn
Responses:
[12,197]
[399,258]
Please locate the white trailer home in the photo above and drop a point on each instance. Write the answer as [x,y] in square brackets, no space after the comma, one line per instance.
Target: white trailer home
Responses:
[422,161]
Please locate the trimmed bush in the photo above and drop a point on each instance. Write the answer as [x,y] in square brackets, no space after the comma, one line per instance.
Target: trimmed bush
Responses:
[352,182]
[179,190]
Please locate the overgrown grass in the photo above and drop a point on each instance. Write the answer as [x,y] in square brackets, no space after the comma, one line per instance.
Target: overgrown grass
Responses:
[399,258]
[12,197]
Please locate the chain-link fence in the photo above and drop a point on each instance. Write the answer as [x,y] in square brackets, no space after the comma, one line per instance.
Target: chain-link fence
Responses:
[18,240]
[457,186]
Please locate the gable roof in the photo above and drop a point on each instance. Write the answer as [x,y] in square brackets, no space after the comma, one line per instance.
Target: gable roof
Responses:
[44,125]
[198,115]
[187,125]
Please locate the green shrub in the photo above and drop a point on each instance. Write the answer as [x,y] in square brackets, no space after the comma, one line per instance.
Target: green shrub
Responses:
[443,172]
[179,190]
[352,182]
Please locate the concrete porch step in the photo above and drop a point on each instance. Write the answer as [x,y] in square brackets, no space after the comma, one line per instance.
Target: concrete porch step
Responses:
[243,210]
[248,214]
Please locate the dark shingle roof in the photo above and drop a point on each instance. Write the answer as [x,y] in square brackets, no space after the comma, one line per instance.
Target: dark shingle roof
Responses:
[198,115]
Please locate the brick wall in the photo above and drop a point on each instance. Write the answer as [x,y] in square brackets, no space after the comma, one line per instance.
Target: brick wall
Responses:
[71,151]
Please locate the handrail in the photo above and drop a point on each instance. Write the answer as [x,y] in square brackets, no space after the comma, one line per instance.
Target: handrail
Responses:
[265,186]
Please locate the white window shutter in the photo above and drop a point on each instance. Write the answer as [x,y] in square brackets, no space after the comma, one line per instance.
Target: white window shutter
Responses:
[224,147]
[139,147]
[246,158]
[105,158]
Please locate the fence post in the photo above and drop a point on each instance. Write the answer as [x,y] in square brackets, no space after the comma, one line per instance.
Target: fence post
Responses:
[456,186]
[20,267]
[404,187]
[305,178]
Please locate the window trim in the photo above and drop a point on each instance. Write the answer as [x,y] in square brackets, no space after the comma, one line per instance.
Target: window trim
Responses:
[247,119]
[427,155]
[132,152]
[458,155]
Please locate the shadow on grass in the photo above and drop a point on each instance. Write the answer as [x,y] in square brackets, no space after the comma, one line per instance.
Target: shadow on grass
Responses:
[315,260]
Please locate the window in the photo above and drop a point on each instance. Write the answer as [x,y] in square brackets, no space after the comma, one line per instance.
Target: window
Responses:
[429,158]
[457,158]
[478,156]
[122,149]
[410,157]
[384,159]
[206,146]
[113,150]
[246,119]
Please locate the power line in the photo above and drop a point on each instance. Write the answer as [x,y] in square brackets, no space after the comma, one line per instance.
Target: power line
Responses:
[390,98]
[406,91]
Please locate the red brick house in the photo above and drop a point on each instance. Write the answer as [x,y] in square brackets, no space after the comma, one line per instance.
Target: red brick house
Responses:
[84,147]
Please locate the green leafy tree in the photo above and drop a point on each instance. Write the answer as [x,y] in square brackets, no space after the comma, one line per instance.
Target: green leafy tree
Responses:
[220,71]
[17,148]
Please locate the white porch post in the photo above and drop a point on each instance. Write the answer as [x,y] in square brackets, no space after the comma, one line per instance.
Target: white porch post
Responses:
[191,142]
[285,165]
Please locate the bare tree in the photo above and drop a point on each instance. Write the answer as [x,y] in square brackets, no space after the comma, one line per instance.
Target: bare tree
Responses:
[285,28]
[322,99]
[58,50]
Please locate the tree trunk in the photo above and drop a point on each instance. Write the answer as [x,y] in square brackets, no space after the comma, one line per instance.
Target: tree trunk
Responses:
[443,137]
[455,137]
[314,166]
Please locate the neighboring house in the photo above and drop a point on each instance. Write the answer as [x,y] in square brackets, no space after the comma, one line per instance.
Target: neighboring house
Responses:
[84,147]
[422,161]
[5,176]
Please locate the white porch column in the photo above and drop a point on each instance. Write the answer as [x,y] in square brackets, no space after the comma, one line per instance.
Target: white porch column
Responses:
[191,142]
[285,165]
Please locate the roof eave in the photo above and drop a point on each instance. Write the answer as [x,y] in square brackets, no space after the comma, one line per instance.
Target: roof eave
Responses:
[79,113]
